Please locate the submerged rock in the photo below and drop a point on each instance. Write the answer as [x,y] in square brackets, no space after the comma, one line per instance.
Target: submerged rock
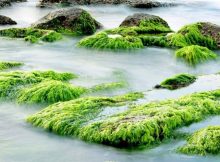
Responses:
[178,81]
[72,21]
[146,124]
[203,142]
[195,54]
[32,35]
[4,20]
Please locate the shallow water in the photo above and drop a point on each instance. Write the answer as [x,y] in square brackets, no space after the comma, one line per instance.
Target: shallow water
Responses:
[142,69]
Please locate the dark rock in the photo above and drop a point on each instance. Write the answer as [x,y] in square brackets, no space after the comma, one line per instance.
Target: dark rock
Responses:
[135,19]
[4,20]
[132,3]
[4,3]
[72,21]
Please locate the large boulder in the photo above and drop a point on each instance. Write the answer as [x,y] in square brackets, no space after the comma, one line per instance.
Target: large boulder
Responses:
[72,21]
[4,20]
[136,19]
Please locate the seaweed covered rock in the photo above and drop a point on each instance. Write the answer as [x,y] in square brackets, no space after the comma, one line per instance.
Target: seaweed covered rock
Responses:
[66,118]
[178,81]
[195,54]
[203,142]
[130,33]
[9,65]
[142,19]
[72,21]
[201,33]
[4,20]
[32,35]
[145,124]
[12,82]
[108,41]
[49,92]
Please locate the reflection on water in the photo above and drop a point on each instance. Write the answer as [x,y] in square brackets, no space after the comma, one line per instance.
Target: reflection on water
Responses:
[142,69]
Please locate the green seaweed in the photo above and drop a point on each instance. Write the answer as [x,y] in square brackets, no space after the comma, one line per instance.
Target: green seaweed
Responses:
[178,81]
[9,65]
[140,125]
[191,35]
[66,118]
[104,41]
[108,86]
[49,92]
[195,54]
[32,35]
[203,142]
[12,82]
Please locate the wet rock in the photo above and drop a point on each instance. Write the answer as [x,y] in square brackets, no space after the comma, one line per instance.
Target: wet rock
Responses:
[132,3]
[4,20]
[4,3]
[136,19]
[72,21]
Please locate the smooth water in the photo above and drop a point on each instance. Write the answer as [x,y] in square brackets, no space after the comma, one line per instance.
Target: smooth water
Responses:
[142,69]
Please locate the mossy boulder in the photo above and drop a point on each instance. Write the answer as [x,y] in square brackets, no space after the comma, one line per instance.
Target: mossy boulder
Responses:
[203,142]
[195,54]
[146,124]
[32,35]
[145,20]
[178,81]
[4,20]
[111,41]
[72,21]
[9,65]
[130,33]
[201,33]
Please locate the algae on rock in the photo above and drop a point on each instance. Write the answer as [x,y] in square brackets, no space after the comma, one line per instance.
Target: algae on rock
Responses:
[9,65]
[203,142]
[32,35]
[146,124]
[66,118]
[178,81]
[195,54]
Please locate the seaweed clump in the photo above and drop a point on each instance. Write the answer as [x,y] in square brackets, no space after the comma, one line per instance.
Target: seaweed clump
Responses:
[195,54]
[66,118]
[193,34]
[12,82]
[178,81]
[32,35]
[203,142]
[9,65]
[146,124]
[104,41]
[49,92]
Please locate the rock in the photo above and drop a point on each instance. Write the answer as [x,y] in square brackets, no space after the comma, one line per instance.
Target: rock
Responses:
[132,3]
[4,20]
[72,21]
[4,3]
[135,20]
